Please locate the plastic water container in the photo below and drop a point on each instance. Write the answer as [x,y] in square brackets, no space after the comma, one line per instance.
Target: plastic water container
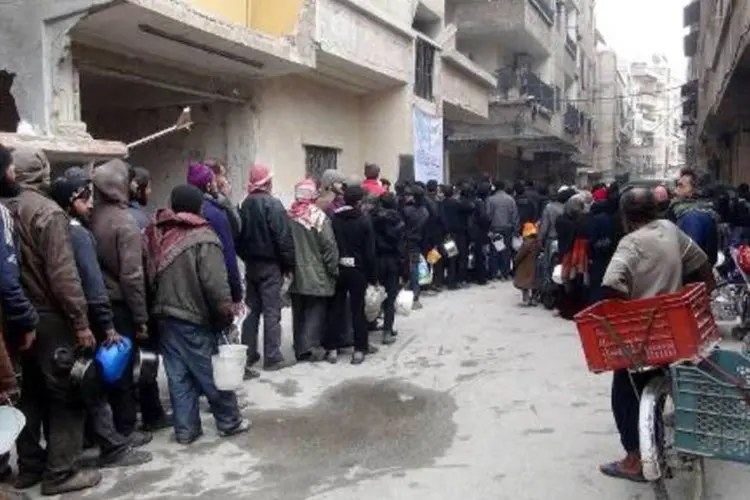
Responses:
[229,366]
[114,358]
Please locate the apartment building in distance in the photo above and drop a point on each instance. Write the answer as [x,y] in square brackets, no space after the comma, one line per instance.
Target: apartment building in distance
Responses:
[302,85]
[716,100]
[658,146]
[615,116]
[541,115]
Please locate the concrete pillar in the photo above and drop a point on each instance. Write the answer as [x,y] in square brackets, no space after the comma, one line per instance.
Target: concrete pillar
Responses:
[241,146]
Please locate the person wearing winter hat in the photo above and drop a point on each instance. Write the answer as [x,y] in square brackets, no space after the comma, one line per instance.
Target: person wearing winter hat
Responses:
[202,177]
[315,272]
[223,194]
[357,269]
[51,281]
[193,303]
[266,246]
[331,191]
[73,193]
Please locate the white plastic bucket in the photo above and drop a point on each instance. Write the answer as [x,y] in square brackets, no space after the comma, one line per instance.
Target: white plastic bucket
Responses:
[12,421]
[229,366]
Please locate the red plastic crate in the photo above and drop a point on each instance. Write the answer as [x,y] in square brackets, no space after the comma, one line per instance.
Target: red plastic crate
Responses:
[647,332]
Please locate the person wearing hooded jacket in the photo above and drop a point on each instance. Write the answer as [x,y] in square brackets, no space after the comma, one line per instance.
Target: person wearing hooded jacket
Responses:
[120,250]
[73,193]
[51,282]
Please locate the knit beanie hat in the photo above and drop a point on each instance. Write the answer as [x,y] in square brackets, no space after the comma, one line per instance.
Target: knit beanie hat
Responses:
[77,173]
[199,175]
[186,198]
[353,195]
[65,190]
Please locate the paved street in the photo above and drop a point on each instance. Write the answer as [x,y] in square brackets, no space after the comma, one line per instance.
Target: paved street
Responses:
[479,399]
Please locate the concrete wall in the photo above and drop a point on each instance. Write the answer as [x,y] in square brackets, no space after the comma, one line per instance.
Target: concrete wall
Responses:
[386,119]
[463,90]
[346,32]
[293,112]
[276,17]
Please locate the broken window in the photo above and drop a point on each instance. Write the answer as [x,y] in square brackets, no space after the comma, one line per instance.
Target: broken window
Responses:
[424,70]
[8,111]
[318,159]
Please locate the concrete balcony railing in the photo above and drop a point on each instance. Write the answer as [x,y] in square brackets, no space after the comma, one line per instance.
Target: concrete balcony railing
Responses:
[524,24]
[464,85]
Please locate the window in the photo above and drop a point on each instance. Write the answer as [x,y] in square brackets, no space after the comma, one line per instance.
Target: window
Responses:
[424,69]
[318,159]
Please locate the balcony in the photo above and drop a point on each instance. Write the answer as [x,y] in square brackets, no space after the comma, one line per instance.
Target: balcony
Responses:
[465,87]
[573,120]
[648,102]
[570,62]
[690,44]
[520,26]
[514,86]
[691,14]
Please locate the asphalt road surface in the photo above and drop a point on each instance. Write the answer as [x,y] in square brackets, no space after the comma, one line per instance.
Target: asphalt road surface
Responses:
[479,399]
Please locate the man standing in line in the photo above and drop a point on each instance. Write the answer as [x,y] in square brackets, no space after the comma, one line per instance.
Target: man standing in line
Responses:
[120,251]
[266,245]
[502,209]
[51,281]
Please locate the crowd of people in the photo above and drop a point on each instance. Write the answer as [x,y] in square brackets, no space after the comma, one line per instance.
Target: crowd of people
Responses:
[84,264]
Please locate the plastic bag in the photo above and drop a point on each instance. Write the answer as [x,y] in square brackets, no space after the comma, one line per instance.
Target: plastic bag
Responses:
[404,302]
[433,256]
[499,243]
[374,297]
[450,248]
[517,242]
[424,271]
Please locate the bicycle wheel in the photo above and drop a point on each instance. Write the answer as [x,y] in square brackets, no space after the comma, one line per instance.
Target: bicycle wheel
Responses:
[673,475]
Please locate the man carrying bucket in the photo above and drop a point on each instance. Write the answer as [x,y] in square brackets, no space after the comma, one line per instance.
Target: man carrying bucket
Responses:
[188,281]
[653,259]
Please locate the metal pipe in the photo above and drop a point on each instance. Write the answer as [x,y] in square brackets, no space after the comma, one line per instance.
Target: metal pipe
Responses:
[183,122]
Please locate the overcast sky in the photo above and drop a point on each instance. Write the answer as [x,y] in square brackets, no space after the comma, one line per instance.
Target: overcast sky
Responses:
[635,29]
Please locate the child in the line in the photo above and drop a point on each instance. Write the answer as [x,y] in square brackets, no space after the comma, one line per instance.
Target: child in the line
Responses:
[524,264]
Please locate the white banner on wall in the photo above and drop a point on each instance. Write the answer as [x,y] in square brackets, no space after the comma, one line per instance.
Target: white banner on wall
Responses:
[428,146]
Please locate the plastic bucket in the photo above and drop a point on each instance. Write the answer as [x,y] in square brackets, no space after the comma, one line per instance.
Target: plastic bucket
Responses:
[229,366]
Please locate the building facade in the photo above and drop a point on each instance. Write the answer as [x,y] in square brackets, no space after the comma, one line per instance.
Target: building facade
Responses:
[302,85]
[615,116]
[657,148]
[716,98]
[541,115]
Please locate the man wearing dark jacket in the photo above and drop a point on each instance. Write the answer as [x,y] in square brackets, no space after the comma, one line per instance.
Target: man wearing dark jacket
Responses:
[435,232]
[357,269]
[73,194]
[50,279]
[416,217]
[266,245]
[202,177]
[192,302]
[389,245]
[456,212]
[120,249]
[18,318]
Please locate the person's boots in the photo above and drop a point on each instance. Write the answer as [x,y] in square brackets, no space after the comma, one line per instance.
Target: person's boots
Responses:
[26,480]
[126,457]
[388,338]
[81,480]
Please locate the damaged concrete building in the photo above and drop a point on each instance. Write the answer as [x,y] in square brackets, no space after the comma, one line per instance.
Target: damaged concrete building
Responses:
[542,113]
[302,85]
[715,97]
